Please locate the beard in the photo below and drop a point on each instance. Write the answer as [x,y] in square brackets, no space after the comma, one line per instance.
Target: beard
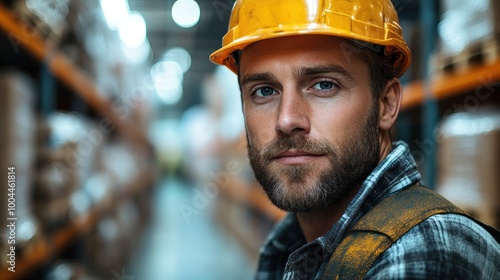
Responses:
[350,162]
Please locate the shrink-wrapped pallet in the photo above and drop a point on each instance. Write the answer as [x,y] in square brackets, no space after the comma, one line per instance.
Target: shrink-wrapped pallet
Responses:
[17,147]
[469,160]
[46,16]
[464,23]
[469,35]
[67,159]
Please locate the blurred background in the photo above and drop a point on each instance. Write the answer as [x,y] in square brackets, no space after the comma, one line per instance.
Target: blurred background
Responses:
[127,145]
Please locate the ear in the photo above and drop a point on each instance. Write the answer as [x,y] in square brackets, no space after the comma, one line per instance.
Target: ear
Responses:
[390,102]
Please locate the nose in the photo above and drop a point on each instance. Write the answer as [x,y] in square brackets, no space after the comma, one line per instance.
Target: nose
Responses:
[293,116]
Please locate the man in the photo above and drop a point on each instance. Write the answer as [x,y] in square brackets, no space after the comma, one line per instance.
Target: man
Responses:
[320,91]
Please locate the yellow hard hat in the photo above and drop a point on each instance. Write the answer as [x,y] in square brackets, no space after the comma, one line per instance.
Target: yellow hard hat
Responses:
[373,21]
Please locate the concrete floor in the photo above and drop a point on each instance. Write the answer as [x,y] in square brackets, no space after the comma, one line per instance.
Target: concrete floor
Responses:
[196,250]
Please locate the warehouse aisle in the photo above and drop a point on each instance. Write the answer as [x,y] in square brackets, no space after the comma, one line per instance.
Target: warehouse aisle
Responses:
[175,249]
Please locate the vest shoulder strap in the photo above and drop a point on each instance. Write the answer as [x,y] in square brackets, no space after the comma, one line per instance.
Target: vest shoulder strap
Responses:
[378,229]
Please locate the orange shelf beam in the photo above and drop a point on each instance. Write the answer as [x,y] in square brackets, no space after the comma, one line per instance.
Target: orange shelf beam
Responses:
[20,34]
[44,253]
[452,84]
[413,95]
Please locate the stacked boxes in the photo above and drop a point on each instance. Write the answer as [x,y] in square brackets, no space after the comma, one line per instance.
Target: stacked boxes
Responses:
[65,159]
[469,156]
[17,131]
[469,34]
[47,16]
[464,23]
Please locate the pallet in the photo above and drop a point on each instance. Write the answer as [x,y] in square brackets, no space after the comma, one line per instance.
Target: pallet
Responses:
[479,53]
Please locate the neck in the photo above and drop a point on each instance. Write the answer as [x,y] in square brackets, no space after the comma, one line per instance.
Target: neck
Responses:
[318,223]
[385,145]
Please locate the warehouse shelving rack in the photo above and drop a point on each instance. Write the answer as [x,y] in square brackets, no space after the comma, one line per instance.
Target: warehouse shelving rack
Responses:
[65,71]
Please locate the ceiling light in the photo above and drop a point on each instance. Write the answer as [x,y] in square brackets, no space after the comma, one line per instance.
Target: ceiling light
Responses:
[138,54]
[171,96]
[132,31]
[166,74]
[167,79]
[115,11]
[179,55]
[186,13]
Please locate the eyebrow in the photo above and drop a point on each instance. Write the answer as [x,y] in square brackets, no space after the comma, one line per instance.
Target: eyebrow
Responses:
[310,71]
[300,72]
[256,77]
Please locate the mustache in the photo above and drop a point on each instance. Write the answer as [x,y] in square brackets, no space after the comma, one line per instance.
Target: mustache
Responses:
[300,143]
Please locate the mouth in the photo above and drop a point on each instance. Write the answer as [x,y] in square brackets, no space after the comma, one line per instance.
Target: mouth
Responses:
[296,157]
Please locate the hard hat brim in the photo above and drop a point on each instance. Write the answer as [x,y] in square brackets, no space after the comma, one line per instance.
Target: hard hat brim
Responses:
[223,55]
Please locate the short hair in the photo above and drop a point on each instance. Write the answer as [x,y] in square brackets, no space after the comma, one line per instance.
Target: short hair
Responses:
[380,66]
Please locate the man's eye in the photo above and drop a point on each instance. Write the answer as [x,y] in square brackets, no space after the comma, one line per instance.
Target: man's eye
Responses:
[265,91]
[325,85]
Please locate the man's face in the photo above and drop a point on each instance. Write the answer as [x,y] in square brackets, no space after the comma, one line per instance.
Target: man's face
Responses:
[311,122]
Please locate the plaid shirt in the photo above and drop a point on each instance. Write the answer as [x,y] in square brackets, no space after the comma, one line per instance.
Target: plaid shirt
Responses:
[445,246]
